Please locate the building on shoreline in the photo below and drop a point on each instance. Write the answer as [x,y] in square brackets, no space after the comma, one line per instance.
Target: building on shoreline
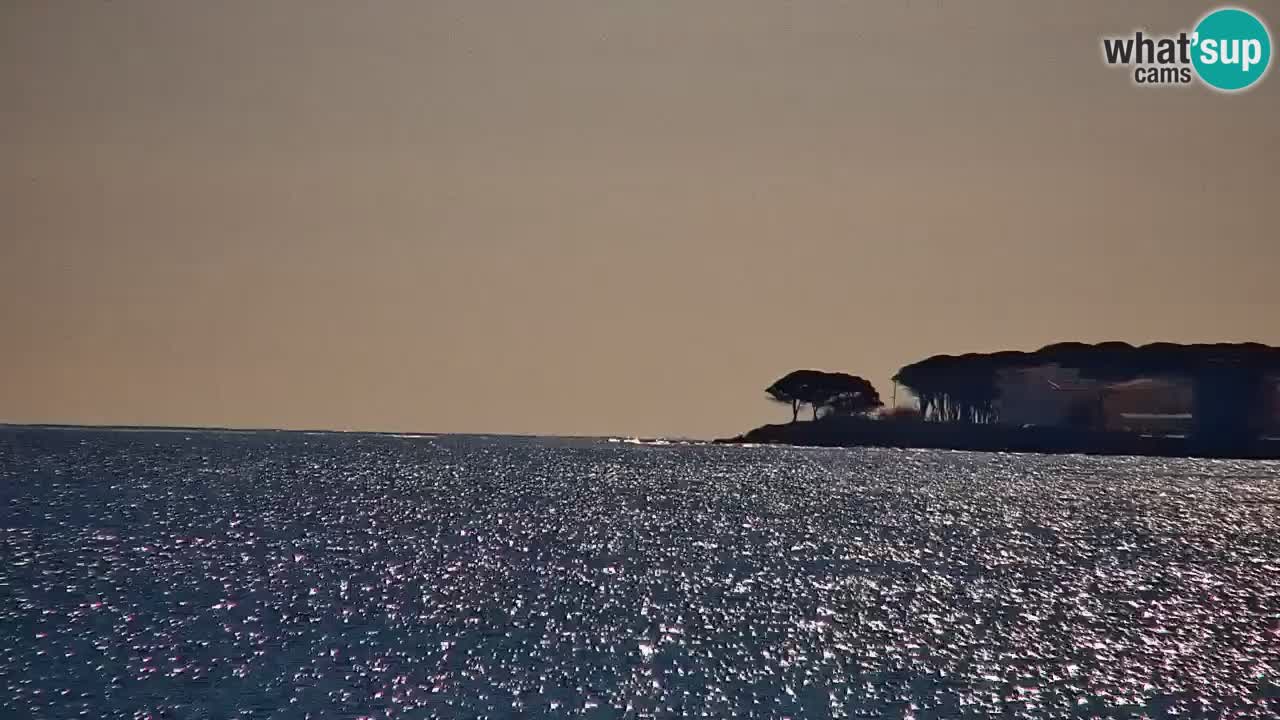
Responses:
[1055,396]
[1045,396]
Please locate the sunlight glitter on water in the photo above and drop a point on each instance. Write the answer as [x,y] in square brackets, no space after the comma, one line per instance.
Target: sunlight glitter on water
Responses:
[281,576]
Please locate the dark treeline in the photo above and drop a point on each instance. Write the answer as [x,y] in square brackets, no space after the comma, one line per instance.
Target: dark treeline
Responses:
[1229,379]
[829,393]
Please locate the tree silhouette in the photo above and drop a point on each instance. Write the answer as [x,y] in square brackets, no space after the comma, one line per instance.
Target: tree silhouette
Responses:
[827,393]
[796,388]
[1229,379]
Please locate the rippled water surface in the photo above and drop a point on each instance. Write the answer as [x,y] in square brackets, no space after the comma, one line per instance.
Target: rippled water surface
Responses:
[206,575]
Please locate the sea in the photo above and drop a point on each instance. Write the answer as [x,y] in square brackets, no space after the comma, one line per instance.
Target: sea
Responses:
[191,574]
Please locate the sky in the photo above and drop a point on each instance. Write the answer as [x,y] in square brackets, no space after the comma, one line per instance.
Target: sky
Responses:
[588,217]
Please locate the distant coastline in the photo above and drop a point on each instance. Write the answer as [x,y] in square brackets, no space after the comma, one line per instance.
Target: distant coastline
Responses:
[1218,400]
[867,432]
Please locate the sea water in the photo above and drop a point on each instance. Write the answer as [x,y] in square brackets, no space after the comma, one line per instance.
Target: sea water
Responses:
[279,575]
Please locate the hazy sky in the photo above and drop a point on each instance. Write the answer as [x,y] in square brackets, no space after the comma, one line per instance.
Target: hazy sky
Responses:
[595,217]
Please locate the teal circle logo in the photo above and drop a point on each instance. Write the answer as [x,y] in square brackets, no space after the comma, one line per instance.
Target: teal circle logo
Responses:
[1231,49]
